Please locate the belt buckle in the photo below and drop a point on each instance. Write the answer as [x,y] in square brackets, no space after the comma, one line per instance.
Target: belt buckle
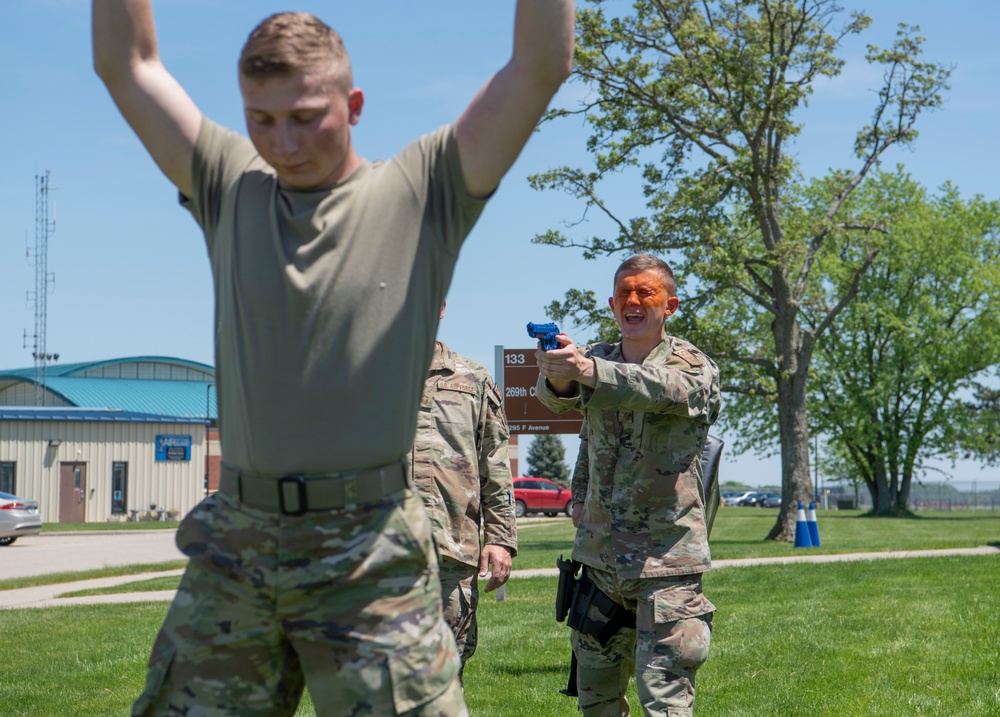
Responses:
[299,482]
[349,484]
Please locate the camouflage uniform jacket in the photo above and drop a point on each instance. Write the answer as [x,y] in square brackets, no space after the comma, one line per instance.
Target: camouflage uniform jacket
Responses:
[639,470]
[460,464]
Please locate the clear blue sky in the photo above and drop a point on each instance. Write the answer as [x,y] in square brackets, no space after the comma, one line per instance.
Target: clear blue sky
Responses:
[132,276]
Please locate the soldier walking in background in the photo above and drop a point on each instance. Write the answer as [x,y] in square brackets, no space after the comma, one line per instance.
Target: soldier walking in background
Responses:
[461,469]
[648,402]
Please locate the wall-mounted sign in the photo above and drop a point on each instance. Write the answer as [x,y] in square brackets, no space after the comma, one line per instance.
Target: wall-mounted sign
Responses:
[173,448]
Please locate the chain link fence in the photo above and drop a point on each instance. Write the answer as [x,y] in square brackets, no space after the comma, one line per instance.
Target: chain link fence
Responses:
[950,495]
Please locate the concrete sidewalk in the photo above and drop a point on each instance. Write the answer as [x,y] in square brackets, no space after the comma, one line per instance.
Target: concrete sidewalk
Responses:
[49,595]
[809,558]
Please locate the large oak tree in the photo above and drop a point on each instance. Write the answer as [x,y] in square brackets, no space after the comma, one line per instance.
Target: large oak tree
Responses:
[892,378]
[705,99]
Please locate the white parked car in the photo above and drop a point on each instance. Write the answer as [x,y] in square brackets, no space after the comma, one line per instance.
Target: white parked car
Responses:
[18,517]
[735,498]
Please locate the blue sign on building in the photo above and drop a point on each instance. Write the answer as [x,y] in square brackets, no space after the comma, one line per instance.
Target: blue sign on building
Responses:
[173,448]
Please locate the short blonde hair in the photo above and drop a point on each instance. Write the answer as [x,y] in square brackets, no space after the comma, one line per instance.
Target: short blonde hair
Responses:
[648,262]
[291,42]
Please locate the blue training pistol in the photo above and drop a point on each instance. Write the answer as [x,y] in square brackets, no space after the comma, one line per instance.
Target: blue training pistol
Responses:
[546,333]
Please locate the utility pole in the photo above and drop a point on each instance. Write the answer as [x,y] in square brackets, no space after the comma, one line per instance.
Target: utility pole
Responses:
[817,491]
[44,227]
[208,432]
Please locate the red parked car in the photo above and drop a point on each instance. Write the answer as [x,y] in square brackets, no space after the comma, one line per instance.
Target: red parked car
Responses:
[540,495]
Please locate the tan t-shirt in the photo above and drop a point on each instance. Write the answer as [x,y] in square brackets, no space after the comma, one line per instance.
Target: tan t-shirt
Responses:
[327,300]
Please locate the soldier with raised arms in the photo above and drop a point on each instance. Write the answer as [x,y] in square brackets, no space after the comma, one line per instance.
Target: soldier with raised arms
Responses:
[313,566]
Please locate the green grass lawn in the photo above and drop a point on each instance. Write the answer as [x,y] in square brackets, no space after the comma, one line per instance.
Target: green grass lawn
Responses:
[891,638]
[886,638]
[111,525]
[68,577]
[136,586]
[740,532]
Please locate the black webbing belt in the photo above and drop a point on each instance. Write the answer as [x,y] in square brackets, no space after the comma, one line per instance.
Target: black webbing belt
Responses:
[297,494]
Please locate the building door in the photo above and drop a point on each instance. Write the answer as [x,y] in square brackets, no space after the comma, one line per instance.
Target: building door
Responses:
[119,488]
[72,491]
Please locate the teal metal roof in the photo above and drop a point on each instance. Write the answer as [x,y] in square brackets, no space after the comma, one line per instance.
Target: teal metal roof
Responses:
[70,369]
[148,396]
[166,398]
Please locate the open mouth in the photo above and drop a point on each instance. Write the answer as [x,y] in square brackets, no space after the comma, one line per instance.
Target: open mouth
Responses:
[633,318]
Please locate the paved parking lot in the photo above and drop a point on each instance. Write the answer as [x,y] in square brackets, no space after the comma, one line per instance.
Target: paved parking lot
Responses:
[65,552]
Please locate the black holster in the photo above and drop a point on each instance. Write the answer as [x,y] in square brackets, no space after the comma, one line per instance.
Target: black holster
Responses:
[567,586]
[573,600]
[565,595]
[587,593]
[574,596]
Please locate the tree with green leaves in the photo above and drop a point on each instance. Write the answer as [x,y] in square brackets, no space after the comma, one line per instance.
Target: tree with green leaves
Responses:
[892,378]
[547,459]
[704,99]
[983,441]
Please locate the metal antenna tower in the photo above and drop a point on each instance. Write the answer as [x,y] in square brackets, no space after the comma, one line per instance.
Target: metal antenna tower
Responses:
[44,226]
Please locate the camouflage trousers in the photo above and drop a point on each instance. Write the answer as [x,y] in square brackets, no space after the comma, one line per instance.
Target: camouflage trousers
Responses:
[344,602]
[460,593]
[667,646]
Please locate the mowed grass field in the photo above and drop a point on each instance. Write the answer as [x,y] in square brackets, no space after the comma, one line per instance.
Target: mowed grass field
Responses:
[739,533]
[916,636]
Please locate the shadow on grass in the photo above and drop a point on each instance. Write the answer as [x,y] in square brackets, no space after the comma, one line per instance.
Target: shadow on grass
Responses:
[551,545]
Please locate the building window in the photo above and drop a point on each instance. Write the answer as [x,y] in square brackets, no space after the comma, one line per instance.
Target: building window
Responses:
[119,487]
[8,477]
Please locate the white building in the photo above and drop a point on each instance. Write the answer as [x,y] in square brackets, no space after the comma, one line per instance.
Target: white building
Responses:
[113,440]
[96,465]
